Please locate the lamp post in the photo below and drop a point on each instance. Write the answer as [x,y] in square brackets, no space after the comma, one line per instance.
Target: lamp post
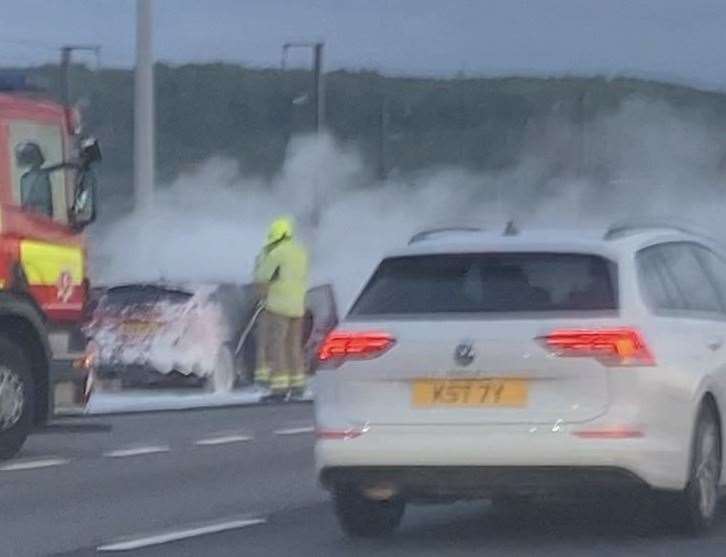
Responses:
[318,78]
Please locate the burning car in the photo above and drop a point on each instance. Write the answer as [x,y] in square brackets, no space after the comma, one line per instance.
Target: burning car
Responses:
[155,335]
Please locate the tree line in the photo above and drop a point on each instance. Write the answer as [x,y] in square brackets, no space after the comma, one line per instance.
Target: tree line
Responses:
[400,124]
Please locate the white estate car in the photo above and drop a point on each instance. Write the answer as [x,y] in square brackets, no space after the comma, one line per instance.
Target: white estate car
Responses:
[480,365]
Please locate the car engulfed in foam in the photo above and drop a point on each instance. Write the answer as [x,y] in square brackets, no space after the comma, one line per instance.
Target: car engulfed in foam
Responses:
[149,335]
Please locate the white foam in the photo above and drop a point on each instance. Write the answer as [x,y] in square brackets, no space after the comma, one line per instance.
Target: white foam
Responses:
[145,401]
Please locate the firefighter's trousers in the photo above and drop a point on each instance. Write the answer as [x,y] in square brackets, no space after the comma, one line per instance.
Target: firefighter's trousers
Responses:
[281,338]
[262,367]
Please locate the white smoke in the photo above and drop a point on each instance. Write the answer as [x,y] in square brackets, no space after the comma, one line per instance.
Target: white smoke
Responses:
[647,159]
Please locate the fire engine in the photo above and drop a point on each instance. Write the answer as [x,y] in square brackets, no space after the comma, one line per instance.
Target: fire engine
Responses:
[47,198]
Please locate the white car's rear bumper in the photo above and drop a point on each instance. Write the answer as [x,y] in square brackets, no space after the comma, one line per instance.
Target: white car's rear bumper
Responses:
[656,462]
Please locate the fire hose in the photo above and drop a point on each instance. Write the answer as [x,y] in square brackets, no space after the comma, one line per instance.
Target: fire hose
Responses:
[248,329]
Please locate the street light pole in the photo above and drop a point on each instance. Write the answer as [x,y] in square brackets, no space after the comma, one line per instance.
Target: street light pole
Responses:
[318,78]
[382,136]
[65,68]
[64,78]
[319,96]
[144,108]
[319,87]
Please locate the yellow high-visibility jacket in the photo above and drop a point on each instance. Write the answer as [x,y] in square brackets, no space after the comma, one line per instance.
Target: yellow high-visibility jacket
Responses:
[284,269]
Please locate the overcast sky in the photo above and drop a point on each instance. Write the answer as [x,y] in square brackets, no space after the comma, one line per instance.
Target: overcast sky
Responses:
[681,40]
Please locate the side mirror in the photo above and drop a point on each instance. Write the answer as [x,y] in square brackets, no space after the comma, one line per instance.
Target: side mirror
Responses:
[83,210]
[90,151]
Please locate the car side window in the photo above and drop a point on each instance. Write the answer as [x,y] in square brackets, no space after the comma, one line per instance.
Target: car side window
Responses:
[660,291]
[682,264]
[715,266]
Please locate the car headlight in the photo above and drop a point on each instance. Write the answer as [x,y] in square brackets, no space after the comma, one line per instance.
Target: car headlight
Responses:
[90,357]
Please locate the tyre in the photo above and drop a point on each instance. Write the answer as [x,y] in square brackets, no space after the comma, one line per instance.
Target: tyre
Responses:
[365,518]
[224,377]
[17,396]
[694,509]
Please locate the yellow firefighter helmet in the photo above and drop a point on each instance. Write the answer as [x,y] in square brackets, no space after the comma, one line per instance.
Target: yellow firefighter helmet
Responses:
[279,229]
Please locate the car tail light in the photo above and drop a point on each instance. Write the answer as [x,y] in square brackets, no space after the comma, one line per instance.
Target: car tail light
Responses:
[354,345]
[623,346]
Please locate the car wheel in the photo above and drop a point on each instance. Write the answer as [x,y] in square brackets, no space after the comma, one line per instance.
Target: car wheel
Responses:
[366,518]
[16,398]
[694,509]
[224,376]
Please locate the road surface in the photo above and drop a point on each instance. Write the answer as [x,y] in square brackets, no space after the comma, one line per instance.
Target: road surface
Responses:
[240,481]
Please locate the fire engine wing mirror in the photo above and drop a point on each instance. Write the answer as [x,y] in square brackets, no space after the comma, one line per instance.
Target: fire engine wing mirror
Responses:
[90,151]
[83,210]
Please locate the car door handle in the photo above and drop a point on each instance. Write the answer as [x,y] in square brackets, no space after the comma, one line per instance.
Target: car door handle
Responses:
[715,343]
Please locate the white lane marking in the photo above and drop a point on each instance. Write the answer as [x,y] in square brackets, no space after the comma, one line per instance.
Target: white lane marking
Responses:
[136,451]
[295,430]
[33,464]
[172,536]
[223,440]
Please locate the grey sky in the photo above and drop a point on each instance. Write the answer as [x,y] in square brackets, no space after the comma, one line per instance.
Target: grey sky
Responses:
[683,40]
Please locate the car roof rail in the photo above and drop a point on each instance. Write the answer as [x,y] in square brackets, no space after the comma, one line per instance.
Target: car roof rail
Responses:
[624,228]
[431,232]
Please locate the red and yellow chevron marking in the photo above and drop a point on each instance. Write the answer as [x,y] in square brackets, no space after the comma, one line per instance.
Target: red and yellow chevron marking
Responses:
[55,277]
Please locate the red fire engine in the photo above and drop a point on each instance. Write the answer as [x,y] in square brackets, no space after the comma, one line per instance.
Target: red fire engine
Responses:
[47,197]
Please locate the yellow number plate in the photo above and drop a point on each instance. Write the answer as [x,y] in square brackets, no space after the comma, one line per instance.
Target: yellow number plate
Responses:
[470,392]
[138,328]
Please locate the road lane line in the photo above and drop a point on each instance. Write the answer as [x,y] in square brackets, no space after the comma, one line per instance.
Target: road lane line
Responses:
[136,451]
[295,430]
[33,464]
[223,440]
[172,536]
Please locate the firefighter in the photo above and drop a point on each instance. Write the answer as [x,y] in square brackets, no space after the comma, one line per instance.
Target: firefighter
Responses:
[282,275]
[35,185]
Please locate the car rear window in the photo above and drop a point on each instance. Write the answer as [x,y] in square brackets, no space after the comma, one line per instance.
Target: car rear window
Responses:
[489,282]
[143,295]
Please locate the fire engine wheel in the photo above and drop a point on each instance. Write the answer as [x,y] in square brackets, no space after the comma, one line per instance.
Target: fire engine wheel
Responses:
[223,378]
[16,398]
